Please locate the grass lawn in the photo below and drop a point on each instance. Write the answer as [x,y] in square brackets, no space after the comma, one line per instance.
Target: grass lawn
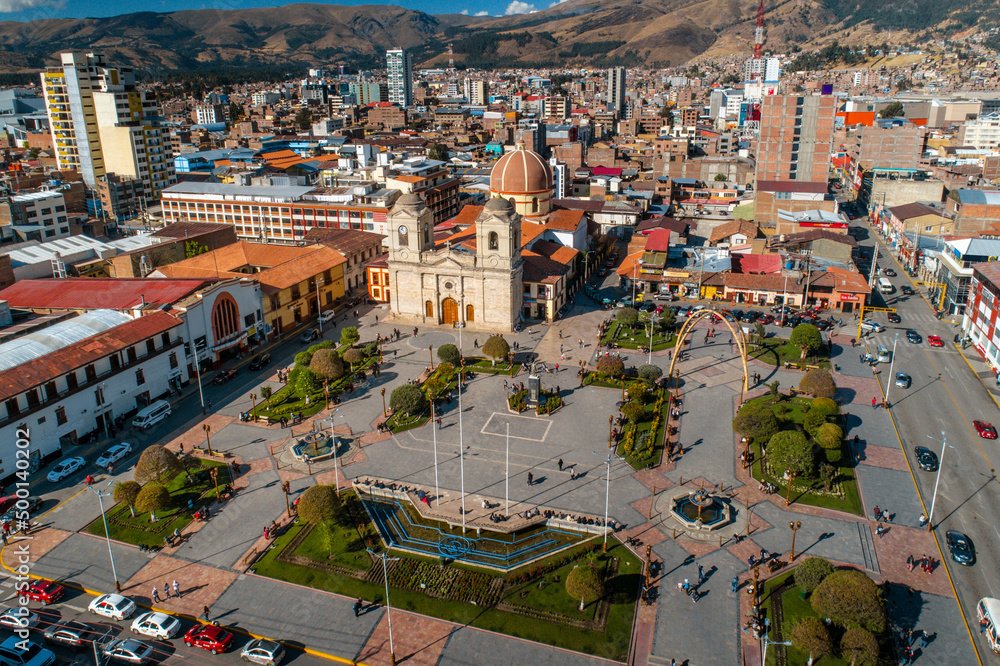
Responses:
[479,364]
[446,379]
[778,351]
[636,336]
[844,497]
[139,531]
[542,593]
[793,609]
[641,457]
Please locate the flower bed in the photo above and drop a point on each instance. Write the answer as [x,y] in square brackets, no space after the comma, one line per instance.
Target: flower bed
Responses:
[480,364]
[641,444]
[444,379]
[618,334]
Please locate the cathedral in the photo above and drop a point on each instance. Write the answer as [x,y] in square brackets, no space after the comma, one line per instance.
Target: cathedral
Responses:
[477,277]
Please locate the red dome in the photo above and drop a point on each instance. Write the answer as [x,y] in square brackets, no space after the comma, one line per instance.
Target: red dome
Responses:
[521,171]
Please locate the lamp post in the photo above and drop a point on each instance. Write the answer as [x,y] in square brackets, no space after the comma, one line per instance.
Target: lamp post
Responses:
[767,641]
[889,380]
[107,535]
[388,609]
[461,452]
[611,430]
[652,324]
[430,351]
[506,476]
[319,306]
[208,436]
[794,526]
[286,488]
[253,408]
[788,489]
[607,496]
[434,435]
[784,299]
[635,268]
[333,445]
[930,514]
[384,412]
[213,472]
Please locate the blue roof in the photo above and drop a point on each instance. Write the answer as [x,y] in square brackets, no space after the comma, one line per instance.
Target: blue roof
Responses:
[988,197]
[686,181]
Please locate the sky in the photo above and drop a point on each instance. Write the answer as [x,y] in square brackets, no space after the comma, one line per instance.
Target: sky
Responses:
[28,10]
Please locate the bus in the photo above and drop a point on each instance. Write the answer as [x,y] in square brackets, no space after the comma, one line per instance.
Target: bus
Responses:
[885,286]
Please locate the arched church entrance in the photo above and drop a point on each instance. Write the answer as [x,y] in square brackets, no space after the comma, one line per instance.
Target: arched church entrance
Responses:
[449,311]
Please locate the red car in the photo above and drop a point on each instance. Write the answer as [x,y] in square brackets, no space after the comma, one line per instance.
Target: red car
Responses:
[209,637]
[45,591]
[985,430]
[935,341]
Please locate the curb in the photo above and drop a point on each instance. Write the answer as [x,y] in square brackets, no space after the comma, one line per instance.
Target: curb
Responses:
[969,363]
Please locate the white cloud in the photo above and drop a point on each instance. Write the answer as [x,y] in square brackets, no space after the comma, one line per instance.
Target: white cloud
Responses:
[558,2]
[519,7]
[482,13]
[9,6]
[464,12]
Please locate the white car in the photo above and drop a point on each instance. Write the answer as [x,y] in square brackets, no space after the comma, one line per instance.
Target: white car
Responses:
[156,625]
[114,606]
[19,617]
[262,651]
[327,315]
[114,454]
[131,651]
[64,468]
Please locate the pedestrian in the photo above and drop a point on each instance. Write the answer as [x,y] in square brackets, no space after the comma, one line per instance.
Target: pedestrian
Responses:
[879,531]
[923,641]
[701,574]
[155,596]
[267,533]
[531,478]
[475,343]
[560,464]
[750,561]
[357,608]
[734,584]
[764,555]
[922,520]
[877,511]
[177,588]
[439,423]
[3,535]
[686,586]
[557,367]
[166,590]
[874,402]
[205,613]
[909,562]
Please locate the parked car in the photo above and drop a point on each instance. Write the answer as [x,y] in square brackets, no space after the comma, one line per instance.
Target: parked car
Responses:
[19,617]
[894,318]
[31,502]
[44,591]
[985,430]
[309,335]
[156,625]
[16,651]
[224,376]
[913,337]
[114,606]
[209,637]
[260,361]
[114,454]
[262,651]
[326,315]
[73,634]
[903,380]
[907,290]
[927,460]
[962,549]
[765,319]
[871,326]
[935,341]
[64,468]
[131,651]
[889,272]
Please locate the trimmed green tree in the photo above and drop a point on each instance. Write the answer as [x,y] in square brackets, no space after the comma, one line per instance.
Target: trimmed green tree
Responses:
[812,636]
[584,583]
[153,497]
[349,335]
[819,383]
[828,407]
[756,420]
[650,372]
[450,354]
[829,436]
[789,449]
[859,647]
[306,382]
[157,463]
[807,338]
[851,599]
[408,399]
[353,356]
[810,573]
[303,359]
[611,366]
[496,347]
[126,492]
[627,317]
[318,504]
[633,411]
[327,365]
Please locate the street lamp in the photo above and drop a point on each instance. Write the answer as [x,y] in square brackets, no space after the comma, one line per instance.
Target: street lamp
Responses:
[611,430]
[384,412]
[253,409]
[784,299]
[767,641]
[286,488]
[790,475]
[506,476]
[319,306]
[461,452]
[107,535]
[794,526]
[607,496]
[333,445]
[384,556]
[635,268]
[889,380]
[937,480]
[213,472]
[430,350]
[208,436]
[652,323]
[434,435]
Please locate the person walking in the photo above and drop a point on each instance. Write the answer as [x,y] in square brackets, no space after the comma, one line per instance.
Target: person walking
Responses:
[475,343]
[205,613]
[155,595]
[922,520]
[357,608]
[701,574]
[177,588]
[166,590]
[531,478]
[734,584]
[560,464]
[874,402]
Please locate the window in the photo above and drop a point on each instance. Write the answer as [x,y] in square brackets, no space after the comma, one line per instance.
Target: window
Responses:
[494,241]
[61,415]
[91,372]
[13,409]
[71,381]
[132,356]
[50,391]
[140,377]
[402,237]
[116,362]
[295,293]
[165,338]
[534,204]
[429,308]
[32,396]
[173,359]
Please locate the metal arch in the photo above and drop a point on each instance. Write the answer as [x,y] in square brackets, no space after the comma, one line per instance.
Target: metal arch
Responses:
[738,336]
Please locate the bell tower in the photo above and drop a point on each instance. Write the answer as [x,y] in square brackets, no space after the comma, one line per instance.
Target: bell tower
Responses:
[411,229]
[498,235]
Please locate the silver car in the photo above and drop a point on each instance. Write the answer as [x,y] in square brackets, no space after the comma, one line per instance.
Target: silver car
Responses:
[903,380]
[262,651]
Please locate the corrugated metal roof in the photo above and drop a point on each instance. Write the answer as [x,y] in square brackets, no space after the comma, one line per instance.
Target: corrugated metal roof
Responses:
[58,336]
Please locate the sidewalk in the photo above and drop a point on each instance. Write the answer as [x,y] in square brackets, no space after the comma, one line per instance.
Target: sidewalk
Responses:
[982,370]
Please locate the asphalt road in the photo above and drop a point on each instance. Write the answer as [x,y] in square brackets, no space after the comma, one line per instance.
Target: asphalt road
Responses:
[939,408]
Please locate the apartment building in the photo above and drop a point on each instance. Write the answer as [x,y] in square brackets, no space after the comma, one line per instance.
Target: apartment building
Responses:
[796,137]
[616,91]
[983,133]
[399,70]
[476,92]
[37,216]
[980,320]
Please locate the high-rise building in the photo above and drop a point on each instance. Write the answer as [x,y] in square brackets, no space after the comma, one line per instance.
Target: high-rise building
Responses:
[475,92]
[101,123]
[796,136]
[616,90]
[400,75]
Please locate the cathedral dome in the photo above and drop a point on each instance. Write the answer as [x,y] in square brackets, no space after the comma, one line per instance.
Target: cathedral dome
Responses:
[520,171]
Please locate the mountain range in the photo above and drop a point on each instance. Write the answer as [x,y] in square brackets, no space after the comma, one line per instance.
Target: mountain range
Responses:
[577,32]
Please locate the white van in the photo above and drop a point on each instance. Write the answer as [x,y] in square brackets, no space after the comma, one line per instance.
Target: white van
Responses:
[988,611]
[885,286]
[151,415]
[884,354]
